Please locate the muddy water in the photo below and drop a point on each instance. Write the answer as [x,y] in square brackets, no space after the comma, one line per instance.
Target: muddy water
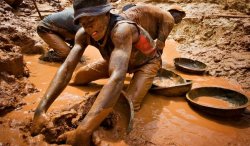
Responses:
[171,121]
[161,121]
[213,102]
[41,73]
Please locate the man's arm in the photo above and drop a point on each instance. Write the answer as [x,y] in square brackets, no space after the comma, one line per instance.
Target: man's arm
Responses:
[59,82]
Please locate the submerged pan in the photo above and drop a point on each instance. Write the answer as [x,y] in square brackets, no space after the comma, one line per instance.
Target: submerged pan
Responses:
[125,108]
[217,101]
[168,83]
[190,66]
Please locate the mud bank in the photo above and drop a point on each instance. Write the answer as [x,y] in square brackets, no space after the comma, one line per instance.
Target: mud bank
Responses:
[12,91]
[239,5]
[218,39]
[14,84]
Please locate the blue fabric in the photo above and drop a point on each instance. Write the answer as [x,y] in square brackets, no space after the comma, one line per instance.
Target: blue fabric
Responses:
[63,19]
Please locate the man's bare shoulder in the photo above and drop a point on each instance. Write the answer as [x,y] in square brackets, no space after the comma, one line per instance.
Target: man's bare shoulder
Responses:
[123,30]
[81,36]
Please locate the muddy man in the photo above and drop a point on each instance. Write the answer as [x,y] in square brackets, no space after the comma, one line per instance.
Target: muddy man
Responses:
[125,47]
[58,31]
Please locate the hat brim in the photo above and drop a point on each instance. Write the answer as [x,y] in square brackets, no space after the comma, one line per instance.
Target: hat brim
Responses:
[91,11]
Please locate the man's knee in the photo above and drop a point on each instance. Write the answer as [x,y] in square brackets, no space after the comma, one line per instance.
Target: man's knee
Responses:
[91,72]
[142,82]
[80,77]
[41,29]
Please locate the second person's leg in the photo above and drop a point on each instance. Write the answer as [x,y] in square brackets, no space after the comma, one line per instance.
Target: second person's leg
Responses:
[91,72]
[142,81]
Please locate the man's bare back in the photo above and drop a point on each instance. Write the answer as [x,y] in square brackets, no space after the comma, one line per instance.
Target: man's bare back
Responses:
[151,18]
[157,22]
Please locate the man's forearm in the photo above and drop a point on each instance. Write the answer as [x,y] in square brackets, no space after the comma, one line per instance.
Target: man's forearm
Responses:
[61,79]
[57,85]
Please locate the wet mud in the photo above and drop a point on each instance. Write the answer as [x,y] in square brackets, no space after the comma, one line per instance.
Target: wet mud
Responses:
[14,84]
[161,119]
[220,42]
[218,38]
[69,119]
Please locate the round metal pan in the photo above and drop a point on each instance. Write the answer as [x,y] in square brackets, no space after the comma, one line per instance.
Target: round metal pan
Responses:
[190,66]
[125,108]
[235,102]
[167,83]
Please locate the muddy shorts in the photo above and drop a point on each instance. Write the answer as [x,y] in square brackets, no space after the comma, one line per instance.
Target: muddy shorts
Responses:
[59,39]
[44,28]
[139,85]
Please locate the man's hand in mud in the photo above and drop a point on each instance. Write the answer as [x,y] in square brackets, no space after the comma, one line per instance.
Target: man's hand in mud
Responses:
[75,138]
[39,122]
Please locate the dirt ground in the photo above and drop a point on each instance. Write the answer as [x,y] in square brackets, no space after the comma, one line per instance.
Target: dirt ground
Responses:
[216,32]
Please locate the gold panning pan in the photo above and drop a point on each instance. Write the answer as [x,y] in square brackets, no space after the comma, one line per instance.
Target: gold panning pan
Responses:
[168,83]
[190,66]
[217,101]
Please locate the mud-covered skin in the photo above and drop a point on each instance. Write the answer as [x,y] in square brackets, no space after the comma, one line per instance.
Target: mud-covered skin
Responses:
[157,22]
[59,82]
[123,36]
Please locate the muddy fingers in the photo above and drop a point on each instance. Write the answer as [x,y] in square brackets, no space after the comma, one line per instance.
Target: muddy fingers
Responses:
[39,122]
[68,138]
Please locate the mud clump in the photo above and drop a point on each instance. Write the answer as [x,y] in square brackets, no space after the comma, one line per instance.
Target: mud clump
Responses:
[69,119]
[11,61]
[14,84]
[12,91]
[240,5]
[10,37]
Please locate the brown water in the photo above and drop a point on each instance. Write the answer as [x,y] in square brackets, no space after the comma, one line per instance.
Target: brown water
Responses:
[161,121]
[213,102]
